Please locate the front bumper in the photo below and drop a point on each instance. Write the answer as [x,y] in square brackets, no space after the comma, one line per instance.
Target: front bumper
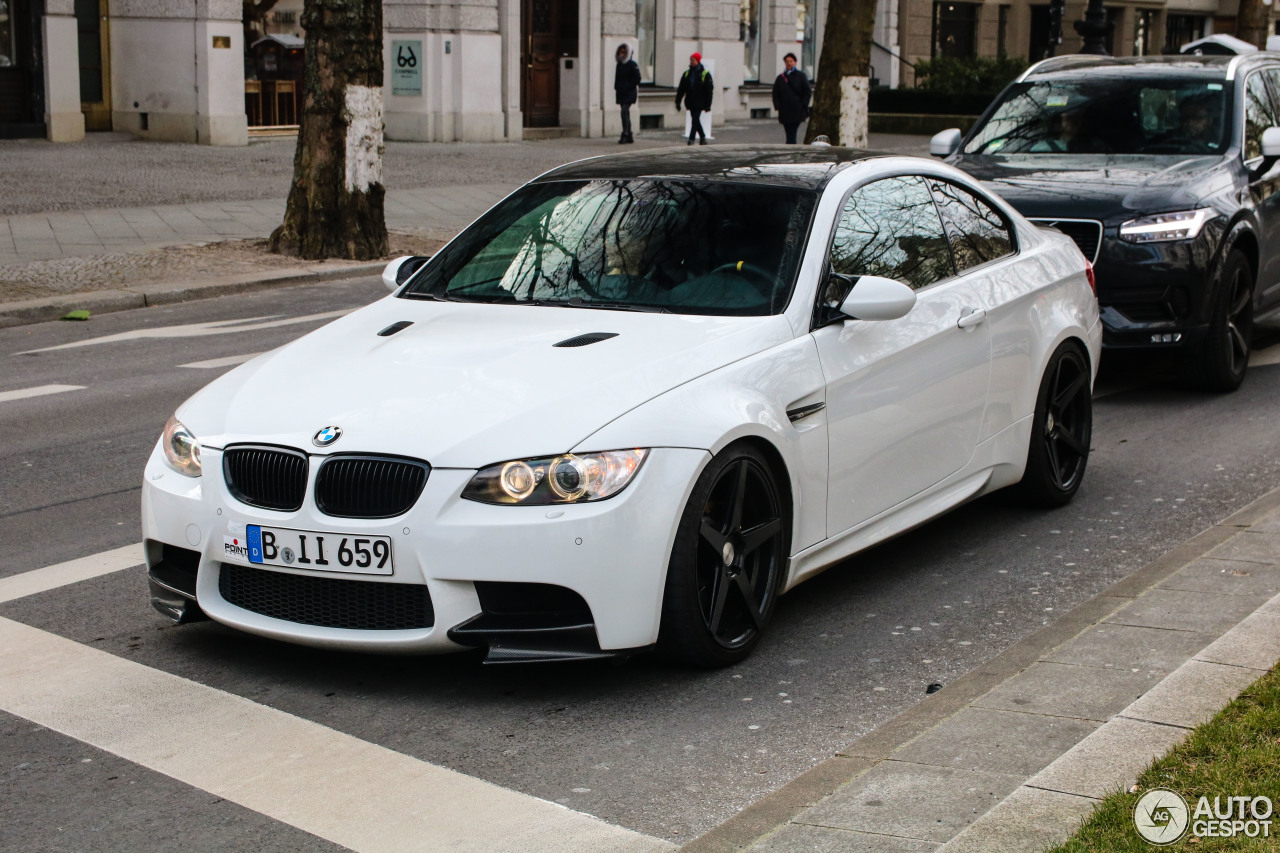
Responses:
[612,553]
[1154,295]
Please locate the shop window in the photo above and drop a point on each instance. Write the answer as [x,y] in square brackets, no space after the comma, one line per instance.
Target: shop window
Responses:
[1038,47]
[1144,33]
[955,28]
[1115,20]
[647,38]
[749,35]
[1180,29]
[806,13]
[8,41]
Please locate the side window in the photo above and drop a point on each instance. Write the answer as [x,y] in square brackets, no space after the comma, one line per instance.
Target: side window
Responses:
[977,232]
[891,228]
[1259,114]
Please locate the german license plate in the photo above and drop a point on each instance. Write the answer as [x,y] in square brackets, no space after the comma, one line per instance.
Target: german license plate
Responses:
[308,549]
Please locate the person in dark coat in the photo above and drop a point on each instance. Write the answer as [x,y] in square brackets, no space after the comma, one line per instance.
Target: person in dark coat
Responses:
[791,93]
[626,88]
[696,90]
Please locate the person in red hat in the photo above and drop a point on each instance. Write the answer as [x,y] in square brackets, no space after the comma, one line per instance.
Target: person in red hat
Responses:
[696,90]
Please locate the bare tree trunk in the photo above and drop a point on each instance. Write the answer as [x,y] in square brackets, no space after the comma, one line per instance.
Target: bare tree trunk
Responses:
[842,73]
[1251,23]
[335,204]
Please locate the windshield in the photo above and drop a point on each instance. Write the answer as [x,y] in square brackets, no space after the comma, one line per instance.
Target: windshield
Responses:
[687,247]
[1109,115]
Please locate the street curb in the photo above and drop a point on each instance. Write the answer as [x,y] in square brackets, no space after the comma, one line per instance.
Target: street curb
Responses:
[775,810]
[167,293]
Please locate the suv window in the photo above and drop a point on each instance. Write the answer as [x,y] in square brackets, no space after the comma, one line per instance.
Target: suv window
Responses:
[1109,115]
[1259,113]
[891,228]
[976,231]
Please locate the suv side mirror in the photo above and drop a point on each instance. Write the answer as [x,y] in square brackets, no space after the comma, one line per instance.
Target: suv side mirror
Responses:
[1270,151]
[874,297]
[399,270]
[945,142]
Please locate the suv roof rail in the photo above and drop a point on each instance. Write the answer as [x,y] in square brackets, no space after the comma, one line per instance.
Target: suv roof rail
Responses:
[1053,62]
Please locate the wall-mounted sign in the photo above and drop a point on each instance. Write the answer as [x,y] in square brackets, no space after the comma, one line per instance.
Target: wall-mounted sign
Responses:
[222,41]
[406,67]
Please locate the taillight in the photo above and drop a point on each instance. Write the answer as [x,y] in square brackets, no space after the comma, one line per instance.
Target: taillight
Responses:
[1093,281]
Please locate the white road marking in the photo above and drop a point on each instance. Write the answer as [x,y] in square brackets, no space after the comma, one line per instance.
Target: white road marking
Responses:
[354,793]
[198,330]
[73,571]
[39,391]
[222,362]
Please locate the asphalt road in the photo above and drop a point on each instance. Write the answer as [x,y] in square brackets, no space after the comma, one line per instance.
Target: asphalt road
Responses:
[665,751]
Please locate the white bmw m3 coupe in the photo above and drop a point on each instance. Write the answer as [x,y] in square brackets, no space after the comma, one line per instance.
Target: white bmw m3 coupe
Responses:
[629,407]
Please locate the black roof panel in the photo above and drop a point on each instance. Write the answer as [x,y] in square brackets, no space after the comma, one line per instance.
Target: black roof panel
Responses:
[805,166]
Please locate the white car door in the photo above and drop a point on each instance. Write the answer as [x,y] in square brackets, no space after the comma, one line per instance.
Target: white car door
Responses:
[906,397]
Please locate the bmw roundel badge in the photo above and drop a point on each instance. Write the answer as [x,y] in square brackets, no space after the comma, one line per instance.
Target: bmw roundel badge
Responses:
[327,436]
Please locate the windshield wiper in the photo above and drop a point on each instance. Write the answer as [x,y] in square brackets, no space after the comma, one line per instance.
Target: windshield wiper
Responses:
[579,302]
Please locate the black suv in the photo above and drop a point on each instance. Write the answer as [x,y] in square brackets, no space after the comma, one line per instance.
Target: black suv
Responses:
[1156,168]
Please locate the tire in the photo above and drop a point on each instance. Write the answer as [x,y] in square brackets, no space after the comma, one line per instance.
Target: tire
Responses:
[727,563]
[1223,359]
[1060,431]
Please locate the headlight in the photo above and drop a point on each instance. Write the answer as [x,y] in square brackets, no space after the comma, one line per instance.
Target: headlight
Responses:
[1160,227]
[181,448]
[569,478]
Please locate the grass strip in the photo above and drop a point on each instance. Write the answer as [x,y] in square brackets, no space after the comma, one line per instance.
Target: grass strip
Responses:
[1237,753]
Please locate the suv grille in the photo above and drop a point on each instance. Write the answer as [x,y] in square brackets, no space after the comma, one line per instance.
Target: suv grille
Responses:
[1086,233]
[369,486]
[327,602]
[269,477]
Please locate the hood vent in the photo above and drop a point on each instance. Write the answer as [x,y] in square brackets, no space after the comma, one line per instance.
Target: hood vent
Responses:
[399,326]
[587,339]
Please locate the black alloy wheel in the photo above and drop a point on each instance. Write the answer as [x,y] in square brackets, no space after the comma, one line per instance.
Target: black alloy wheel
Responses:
[727,563]
[1060,431]
[1225,357]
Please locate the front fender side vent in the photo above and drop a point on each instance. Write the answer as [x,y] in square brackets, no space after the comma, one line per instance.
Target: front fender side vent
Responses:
[587,339]
[796,414]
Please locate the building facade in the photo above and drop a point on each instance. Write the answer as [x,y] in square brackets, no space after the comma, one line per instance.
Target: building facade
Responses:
[487,70]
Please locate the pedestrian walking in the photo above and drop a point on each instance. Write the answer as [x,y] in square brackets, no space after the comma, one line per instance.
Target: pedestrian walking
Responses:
[791,93]
[696,90]
[626,87]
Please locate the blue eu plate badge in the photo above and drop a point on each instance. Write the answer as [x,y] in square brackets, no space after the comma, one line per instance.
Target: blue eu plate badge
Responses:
[254,535]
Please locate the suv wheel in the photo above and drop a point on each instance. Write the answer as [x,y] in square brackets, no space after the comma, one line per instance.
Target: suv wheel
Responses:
[1222,361]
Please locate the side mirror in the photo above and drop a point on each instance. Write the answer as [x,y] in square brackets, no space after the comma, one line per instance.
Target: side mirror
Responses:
[876,298]
[399,270]
[1271,143]
[945,142]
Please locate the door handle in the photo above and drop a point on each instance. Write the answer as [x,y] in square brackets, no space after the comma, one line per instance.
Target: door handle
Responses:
[970,318]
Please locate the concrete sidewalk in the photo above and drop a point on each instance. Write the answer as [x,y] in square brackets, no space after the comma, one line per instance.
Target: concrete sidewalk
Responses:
[1012,756]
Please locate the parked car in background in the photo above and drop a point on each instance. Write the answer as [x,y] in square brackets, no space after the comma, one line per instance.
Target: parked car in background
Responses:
[631,405]
[1161,170]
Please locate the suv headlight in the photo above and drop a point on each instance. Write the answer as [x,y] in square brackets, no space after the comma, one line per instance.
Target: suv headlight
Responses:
[568,478]
[1160,227]
[181,448]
